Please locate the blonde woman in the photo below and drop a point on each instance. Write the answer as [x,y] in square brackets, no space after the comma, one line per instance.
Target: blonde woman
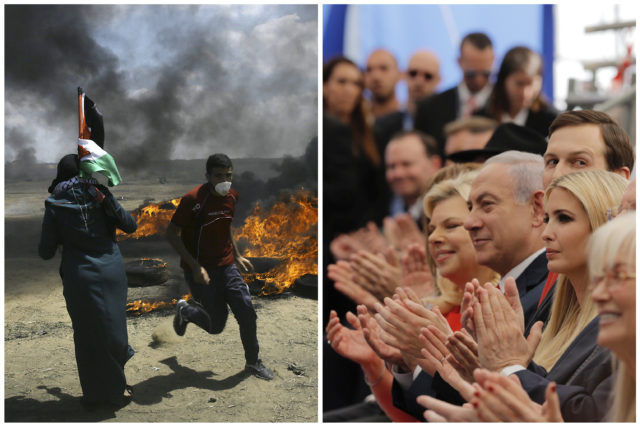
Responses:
[612,268]
[595,192]
[449,246]
[452,251]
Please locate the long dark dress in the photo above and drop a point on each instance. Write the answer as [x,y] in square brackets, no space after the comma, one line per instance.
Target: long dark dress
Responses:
[95,285]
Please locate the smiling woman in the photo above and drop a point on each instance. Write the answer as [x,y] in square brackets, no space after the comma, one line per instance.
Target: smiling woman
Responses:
[612,266]
[449,245]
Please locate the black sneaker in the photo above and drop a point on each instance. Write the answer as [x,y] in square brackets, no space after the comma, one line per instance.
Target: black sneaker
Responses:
[179,322]
[259,370]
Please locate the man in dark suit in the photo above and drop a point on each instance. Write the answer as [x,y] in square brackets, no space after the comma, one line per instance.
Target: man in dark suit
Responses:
[506,222]
[476,62]
[422,77]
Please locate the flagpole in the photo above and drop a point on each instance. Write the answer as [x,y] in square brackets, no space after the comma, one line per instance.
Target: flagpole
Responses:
[81,119]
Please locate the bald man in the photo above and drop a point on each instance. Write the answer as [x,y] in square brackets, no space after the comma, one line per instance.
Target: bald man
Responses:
[380,77]
[423,76]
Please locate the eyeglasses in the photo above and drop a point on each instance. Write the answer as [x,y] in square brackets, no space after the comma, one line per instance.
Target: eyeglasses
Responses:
[472,73]
[612,277]
[427,75]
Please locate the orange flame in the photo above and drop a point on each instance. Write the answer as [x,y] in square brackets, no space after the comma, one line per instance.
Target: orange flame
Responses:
[152,219]
[157,262]
[288,231]
[140,306]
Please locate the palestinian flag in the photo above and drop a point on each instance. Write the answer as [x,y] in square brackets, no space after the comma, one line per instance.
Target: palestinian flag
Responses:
[92,156]
[95,159]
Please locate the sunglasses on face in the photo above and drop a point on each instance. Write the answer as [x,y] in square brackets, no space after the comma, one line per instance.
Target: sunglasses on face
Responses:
[472,73]
[427,75]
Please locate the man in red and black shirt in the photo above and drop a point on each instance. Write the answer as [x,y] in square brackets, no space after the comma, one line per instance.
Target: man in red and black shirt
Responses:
[200,231]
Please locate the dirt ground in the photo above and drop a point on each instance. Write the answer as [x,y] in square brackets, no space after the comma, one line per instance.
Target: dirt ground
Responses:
[198,377]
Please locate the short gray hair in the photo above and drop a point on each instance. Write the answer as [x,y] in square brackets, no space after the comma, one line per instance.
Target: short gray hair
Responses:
[525,170]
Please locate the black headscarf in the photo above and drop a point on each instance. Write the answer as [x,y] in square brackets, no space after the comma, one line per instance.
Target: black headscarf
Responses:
[67,169]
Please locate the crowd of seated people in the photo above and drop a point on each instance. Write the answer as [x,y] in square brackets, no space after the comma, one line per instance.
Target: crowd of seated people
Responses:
[479,258]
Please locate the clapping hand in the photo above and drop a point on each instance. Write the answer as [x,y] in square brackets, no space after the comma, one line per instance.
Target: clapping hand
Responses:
[464,351]
[503,399]
[376,275]
[416,274]
[402,320]
[344,280]
[349,343]
[499,332]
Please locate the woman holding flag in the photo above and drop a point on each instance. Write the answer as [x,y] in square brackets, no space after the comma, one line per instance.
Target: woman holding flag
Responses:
[82,216]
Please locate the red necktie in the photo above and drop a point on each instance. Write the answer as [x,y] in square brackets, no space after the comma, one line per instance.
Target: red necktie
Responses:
[551,280]
[471,106]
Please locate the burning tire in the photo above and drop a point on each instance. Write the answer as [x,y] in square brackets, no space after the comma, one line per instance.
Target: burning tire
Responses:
[306,286]
[146,272]
[264,264]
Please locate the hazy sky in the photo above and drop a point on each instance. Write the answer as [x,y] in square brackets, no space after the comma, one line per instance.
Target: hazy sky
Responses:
[171,81]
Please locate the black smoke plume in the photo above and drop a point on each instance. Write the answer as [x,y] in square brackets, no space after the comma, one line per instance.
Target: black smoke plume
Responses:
[201,92]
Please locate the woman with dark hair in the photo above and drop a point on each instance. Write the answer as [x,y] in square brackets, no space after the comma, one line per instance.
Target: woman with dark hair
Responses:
[517,95]
[343,84]
[353,170]
[353,194]
[82,216]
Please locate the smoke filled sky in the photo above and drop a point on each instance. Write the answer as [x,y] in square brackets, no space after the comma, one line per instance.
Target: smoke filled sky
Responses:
[173,82]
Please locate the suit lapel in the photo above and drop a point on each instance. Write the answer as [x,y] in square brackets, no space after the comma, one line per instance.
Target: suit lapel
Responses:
[535,273]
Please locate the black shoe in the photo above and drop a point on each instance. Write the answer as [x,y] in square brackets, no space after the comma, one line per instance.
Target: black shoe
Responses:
[259,370]
[106,405]
[179,322]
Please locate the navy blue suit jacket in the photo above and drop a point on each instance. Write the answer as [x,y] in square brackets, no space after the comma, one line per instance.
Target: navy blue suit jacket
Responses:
[434,112]
[583,374]
[530,284]
[542,312]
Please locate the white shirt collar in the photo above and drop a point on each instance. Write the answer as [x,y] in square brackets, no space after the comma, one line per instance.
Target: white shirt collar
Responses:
[519,119]
[516,271]
[481,97]
[397,207]
[415,210]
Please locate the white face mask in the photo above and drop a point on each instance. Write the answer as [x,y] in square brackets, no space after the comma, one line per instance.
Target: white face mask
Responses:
[222,188]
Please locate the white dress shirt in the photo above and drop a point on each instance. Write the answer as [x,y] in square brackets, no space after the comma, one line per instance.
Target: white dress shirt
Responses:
[480,97]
